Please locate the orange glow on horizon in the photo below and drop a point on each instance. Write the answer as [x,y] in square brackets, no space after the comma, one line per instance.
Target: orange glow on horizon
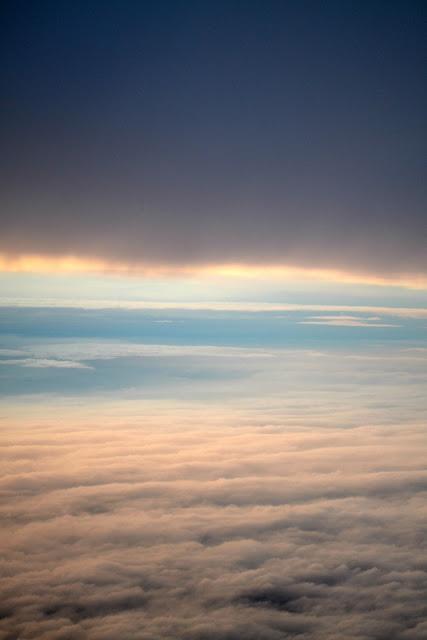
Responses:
[75,265]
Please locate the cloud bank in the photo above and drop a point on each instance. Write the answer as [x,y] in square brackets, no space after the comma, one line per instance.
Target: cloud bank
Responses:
[202,528]
[216,133]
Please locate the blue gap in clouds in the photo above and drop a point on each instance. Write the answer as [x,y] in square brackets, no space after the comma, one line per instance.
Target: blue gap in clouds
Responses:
[219,328]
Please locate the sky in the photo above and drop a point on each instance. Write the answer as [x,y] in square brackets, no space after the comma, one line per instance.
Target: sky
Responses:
[213,320]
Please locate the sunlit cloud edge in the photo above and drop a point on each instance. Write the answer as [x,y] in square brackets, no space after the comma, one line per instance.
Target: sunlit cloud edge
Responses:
[72,264]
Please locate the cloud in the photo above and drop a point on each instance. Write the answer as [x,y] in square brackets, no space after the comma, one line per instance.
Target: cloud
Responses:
[216,272]
[78,355]
[100,350]
[218,528]
[346,321]
[274,493]
[45,363]
[249,307]
[159,165]
[384,383]
[11,352]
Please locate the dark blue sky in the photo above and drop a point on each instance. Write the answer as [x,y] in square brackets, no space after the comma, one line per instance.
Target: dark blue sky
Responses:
[193,132]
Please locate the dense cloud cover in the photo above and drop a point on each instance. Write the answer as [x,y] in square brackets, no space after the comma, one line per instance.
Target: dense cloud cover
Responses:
[213,475]
[190,133]
[186,526]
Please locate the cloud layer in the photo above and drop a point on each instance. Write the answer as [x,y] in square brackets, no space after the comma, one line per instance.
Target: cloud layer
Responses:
[202,528]
[216,133]
[170,474]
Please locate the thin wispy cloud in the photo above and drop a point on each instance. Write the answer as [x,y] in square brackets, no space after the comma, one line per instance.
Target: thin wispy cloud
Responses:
[45,363]
[85,303]
[347,321]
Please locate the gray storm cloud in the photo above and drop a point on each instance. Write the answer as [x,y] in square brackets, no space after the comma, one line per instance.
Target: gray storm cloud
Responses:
[214,133]
[183,234]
